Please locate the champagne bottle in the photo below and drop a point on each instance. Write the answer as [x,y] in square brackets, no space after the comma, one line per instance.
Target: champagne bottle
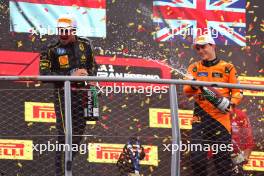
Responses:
[91,111]
[211,94]
[95,102]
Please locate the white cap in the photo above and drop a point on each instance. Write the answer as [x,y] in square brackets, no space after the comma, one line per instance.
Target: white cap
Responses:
[204,39]
[66,21]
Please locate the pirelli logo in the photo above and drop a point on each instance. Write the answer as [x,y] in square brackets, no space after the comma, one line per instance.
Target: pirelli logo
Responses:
[161,118]
[252,80]
[109,153]
[39,112]
[16,149]
[256,162]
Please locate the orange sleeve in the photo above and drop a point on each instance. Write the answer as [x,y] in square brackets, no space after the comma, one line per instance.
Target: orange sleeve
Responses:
[187,89]
[236,94]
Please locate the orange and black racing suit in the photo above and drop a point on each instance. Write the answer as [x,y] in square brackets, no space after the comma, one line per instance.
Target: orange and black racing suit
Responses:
[58,59]
[210,125]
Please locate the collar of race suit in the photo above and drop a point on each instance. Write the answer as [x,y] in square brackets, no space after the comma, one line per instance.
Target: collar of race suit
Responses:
[211,62]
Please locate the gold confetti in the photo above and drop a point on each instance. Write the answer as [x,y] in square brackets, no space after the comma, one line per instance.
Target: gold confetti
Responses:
[221,50]
[43,39]
[124,106]
[29,124]
[187,152]
[248,4]
[165,140]
[191,60]
[140,43]
[33,39]
[90,122]
[186,46]
[52,127]
[151,169]
[262,25]
[135,120]
[147,101]
[218,132]
[101,52]
[131,24]
[191,98]
[105,108]
[19,44]
[19,165]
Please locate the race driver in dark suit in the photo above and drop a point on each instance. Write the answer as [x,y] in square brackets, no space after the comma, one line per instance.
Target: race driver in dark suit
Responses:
[73,56]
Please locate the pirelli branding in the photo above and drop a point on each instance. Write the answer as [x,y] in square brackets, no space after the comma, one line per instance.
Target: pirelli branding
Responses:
[16,149]
[251,81]
[109,153]
[39,112]
[161,118]
[256,162]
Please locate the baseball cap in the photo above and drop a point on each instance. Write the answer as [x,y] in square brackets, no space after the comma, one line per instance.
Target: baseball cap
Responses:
[204,39]
[66,21]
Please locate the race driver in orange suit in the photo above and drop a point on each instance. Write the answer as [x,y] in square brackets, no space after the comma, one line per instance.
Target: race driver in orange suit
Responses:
[211,122]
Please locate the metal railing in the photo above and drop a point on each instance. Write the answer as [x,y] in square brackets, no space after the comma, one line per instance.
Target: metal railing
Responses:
[176,137]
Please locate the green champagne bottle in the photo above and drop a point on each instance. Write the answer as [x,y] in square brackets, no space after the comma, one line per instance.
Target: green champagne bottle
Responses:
[91,111]
[220,102]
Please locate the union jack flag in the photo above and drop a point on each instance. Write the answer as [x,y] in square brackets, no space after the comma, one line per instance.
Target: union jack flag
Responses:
[225,20]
